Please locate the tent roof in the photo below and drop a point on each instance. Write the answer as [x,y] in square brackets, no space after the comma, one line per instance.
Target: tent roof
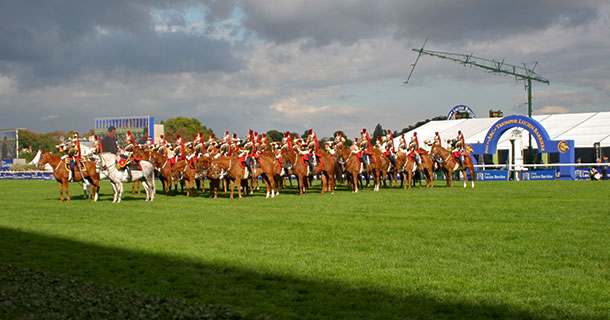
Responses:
[584,128]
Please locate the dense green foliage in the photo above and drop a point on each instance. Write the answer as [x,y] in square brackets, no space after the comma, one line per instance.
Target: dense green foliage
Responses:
[186,128]
[502,250]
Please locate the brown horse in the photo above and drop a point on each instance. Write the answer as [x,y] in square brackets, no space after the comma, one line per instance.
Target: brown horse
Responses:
[233,169]
[326,169]
[86,172]
[349,165]
[407,167]
[269,171]
[449,165]
[293,161]
[182,172]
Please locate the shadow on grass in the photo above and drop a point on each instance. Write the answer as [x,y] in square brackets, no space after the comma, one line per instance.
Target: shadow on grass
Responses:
[257,293]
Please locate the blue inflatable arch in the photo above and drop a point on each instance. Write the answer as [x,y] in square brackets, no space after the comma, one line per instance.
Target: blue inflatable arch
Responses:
[565,148]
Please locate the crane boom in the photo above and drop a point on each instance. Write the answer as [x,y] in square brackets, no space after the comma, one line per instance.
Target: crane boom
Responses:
[520,73]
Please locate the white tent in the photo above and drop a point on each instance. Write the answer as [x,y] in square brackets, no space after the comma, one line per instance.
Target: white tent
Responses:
[584,128]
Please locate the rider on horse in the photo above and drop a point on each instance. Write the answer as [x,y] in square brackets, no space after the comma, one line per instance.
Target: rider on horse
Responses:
[413,149]
[388,146]
[365,148]
[225,145]
[74,154]
[458,148]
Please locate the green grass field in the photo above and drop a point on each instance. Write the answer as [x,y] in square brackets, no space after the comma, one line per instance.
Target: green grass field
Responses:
[537,250]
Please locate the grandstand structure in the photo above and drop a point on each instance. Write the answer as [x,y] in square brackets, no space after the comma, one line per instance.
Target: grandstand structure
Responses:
[585,129]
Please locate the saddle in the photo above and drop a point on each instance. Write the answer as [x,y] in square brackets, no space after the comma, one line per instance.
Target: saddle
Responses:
[79,163]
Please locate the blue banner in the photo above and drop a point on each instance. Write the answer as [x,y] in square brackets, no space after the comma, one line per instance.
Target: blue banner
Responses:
[539,175]
[5,164]
[492,175]
[26,175]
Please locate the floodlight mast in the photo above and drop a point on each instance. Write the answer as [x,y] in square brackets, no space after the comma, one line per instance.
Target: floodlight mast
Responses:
[500,67]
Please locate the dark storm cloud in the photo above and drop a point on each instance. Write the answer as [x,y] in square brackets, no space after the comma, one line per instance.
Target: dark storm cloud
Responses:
[48,42]
[444,21]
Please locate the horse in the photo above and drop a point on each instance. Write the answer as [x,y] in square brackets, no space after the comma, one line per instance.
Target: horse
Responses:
[349,165]
[232,169]
[182,172]
[449,165]
[107,165]
[406,167]
[326,169]
[290,161]
[269,171]
[62,174]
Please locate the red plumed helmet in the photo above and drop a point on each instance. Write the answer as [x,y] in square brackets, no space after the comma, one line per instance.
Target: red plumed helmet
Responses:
[363,130]
[415,134]
[178,136]
[389,131]
[226,133]
[339,133]
[310,131]
[212,136]
[287,134]
[234,135]
[128,133]
[161,136]
[264,135]
[251,132]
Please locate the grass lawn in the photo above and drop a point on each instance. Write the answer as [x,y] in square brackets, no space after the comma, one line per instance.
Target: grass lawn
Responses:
[534,249]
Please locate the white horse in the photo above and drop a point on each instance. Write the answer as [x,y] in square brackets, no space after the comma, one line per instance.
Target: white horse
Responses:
[107,167]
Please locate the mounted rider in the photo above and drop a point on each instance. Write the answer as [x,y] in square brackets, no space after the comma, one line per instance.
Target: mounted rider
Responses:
[388,146]
[225,145]
[126,156]
[303,150]
[458,148]
[74,154]
[248,152]
[437,139]
[339,139]
[212,145]
[413,150]
[366,148]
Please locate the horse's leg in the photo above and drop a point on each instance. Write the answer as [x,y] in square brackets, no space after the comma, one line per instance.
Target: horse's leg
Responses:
[65,182]
[301,184]
[60,185]
[232,186]
[471,169]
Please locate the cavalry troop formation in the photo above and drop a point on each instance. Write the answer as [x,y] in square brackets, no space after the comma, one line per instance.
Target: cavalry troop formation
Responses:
[242,162]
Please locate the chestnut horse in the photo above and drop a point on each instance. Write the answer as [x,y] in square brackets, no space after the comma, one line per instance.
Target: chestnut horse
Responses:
[292,161]
[269,171]
[326,168]
[348,160]
[449,165]
[182,172]
[232,168]
[406,167]
[62,174]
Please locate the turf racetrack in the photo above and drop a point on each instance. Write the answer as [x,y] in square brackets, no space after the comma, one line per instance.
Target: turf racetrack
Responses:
[502,250]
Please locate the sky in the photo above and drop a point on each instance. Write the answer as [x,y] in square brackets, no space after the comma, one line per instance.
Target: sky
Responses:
[293,65]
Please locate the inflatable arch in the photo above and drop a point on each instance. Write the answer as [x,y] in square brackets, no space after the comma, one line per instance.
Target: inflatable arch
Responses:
[565,148]
[460,108]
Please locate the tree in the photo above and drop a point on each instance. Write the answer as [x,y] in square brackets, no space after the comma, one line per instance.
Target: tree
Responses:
[274,135]
[187,128]
[379,132]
